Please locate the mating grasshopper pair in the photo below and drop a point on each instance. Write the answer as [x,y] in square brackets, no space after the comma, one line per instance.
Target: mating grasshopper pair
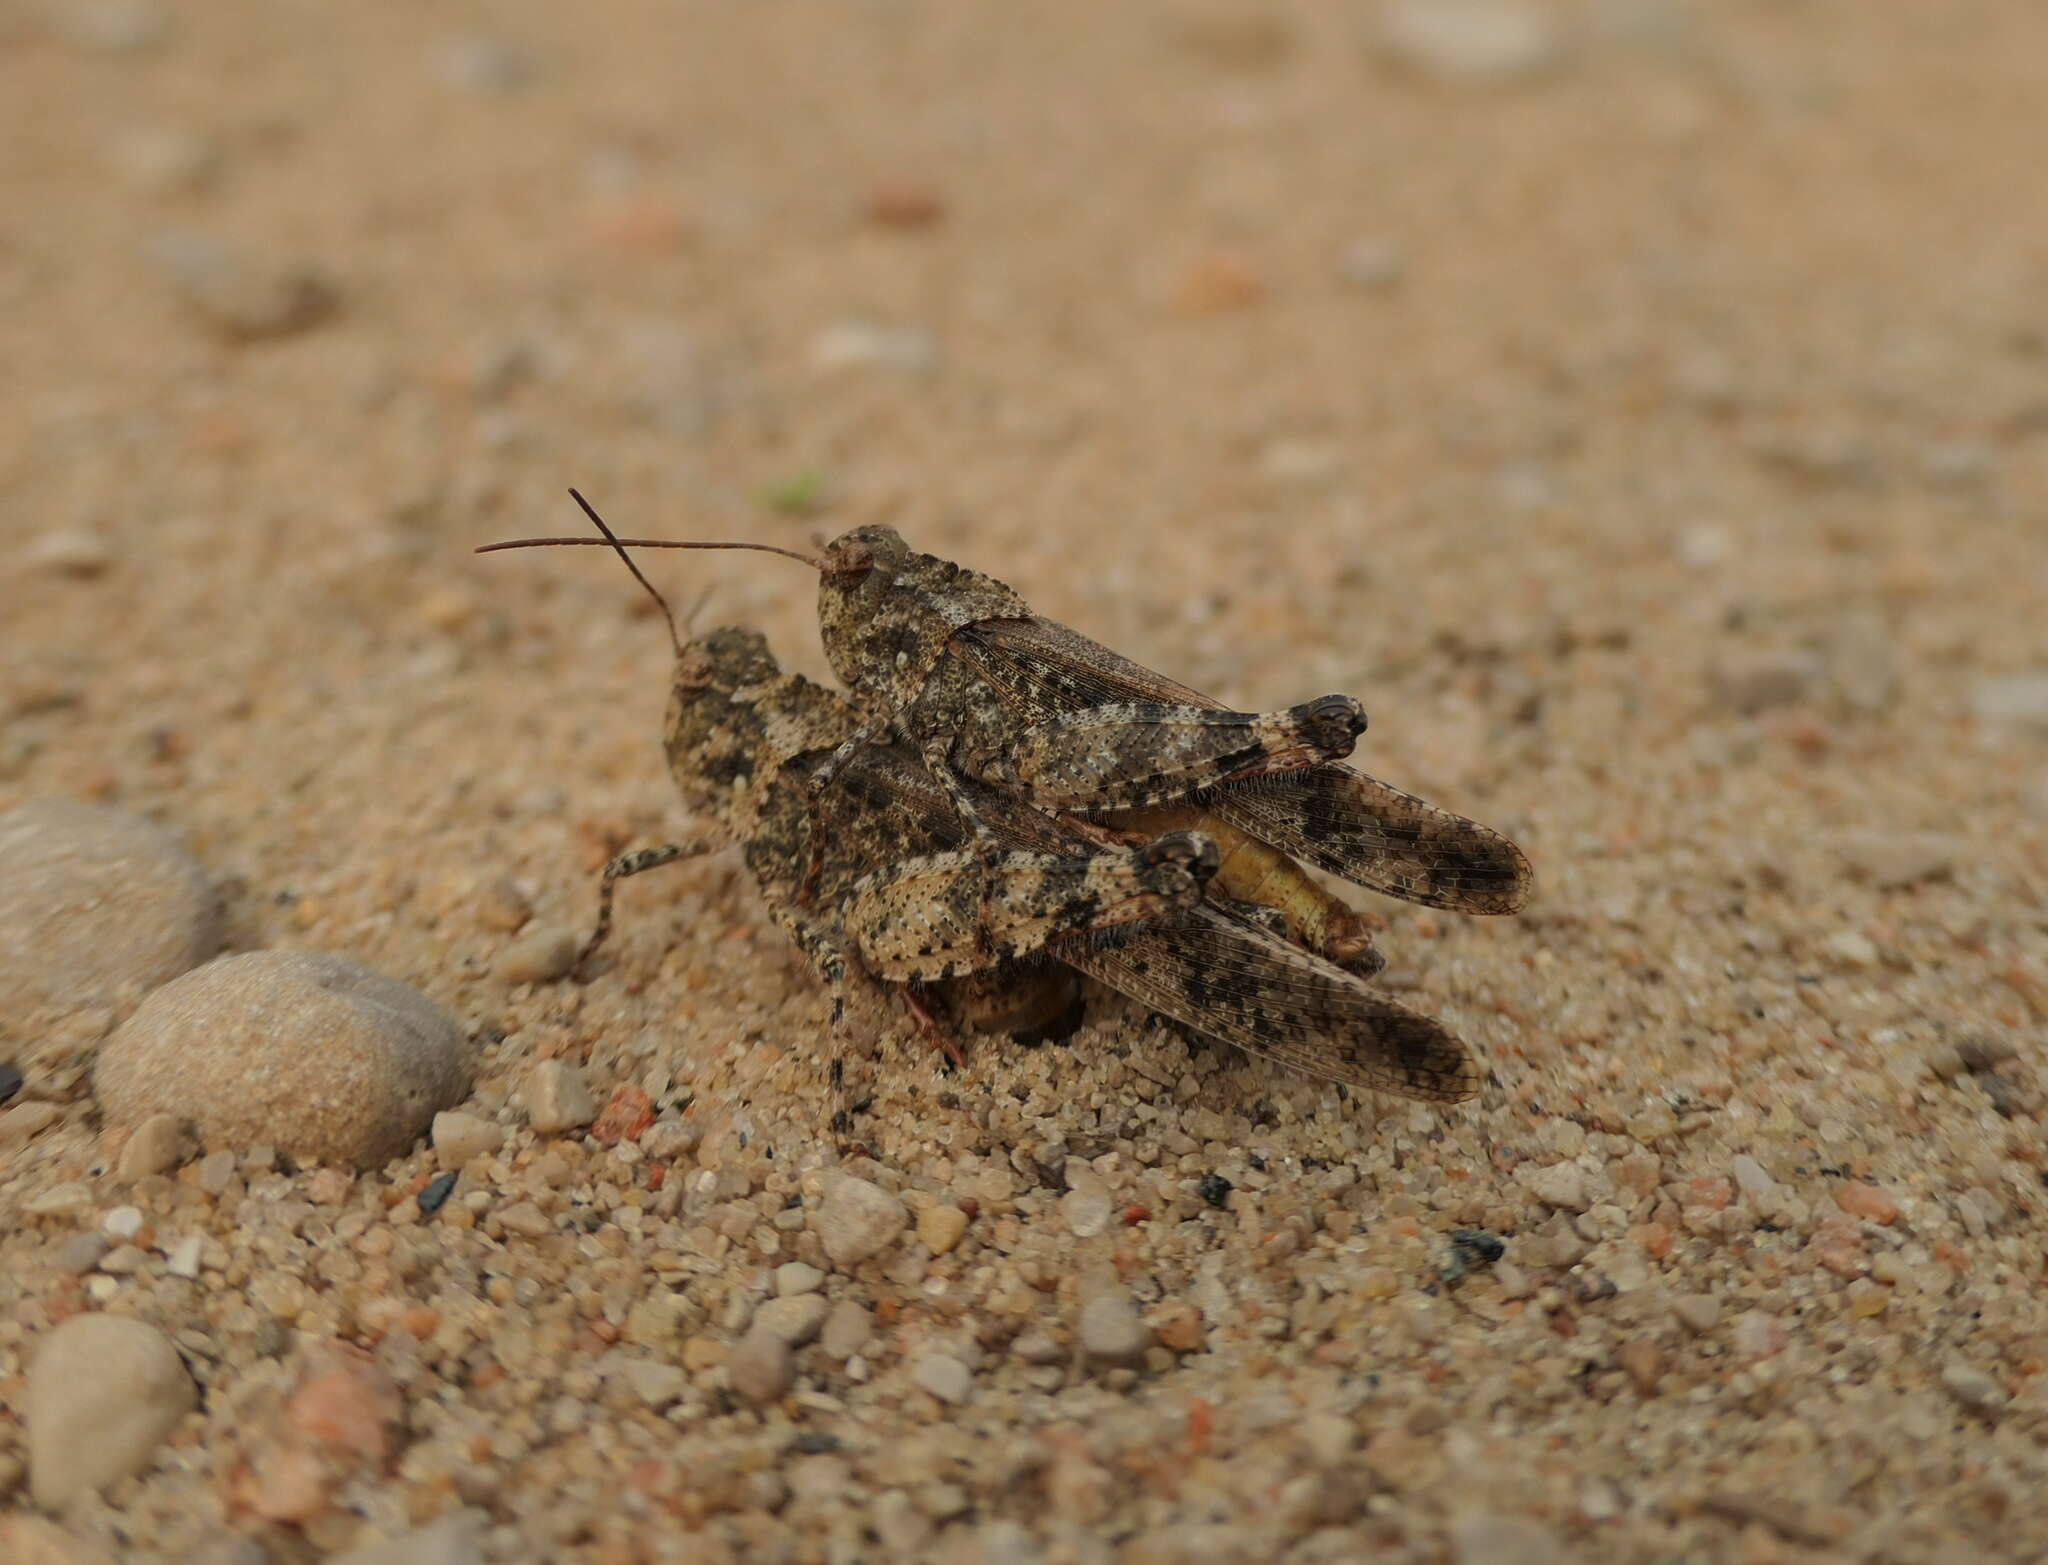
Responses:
[1021,791]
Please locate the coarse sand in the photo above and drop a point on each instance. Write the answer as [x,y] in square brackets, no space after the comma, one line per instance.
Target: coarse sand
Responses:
[1640,405]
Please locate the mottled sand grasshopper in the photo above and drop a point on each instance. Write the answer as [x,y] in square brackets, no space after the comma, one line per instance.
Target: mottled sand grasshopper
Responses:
[956,665]
[897,897]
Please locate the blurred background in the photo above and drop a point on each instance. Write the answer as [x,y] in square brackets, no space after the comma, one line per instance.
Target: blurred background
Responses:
[1642,405]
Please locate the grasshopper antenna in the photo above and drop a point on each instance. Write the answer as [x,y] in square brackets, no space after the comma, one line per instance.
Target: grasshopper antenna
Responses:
[674,639]
[811,560]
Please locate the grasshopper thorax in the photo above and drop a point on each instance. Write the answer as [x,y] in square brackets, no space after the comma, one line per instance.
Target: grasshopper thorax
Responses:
[887,612]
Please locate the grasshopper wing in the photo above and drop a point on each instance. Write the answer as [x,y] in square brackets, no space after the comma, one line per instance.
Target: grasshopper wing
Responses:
[1335,818]
[1227,976]
[1372,833]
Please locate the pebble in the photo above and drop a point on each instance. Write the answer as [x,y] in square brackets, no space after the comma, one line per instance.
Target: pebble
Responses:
[122,1222]
[655,1382]
[864,345]
[1178,1326]
[183,1260]
[941,1227]
[459,1137]
[436,1192]
[69,552]
[2011,700]
[1697,1312]
[453,1539]
[94,902]
[626,1113]
[794,1278]
[482,64]
[305,1050]
[103,1392]
[164,160]
[944,1376]
[1753,682]
[858,1220]
[1853,949]
[899,1525]
[1872,1203]
[243,297]
[115,26]
[68,1198]
[1372,263]
[1564,1185]
[540,956]
[25,1121]
[1479,1538]
[11,1080]
[796,1320]
[1642,1360]
[159,1144]
[1086,1208]
[761,1369]
[30,1540]
[1891,861]
[1755,1182]
[1035,1347]
[1110,1330]
[557,1098]
[1468,43]
[1756,1334]
[81,1253]
[847,1329]
[1216,285]
[1971,1387]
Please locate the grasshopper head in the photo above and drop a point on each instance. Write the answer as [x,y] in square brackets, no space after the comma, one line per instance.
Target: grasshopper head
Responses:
[715,731]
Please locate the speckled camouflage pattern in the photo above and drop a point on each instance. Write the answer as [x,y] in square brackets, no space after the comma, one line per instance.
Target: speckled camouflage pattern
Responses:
[739,753]
[962,669]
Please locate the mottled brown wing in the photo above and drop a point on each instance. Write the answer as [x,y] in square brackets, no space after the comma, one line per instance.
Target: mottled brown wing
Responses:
[1335,818]
[1372,833]
[1226,977]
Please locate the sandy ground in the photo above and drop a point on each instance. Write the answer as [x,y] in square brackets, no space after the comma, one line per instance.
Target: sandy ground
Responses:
[1645,415]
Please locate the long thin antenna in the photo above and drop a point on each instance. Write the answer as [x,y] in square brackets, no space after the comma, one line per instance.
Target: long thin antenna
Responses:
[618,548]
[644,543]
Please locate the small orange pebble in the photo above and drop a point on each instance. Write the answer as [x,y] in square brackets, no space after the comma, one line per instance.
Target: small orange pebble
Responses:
[653,1476]
[1710,1191]
[1405,1228]
[887,1310]
[421,1321]
[1872,1203]
[1654,1238]
[657,1175]
[487,1375]
[905,204]
[1135,1214]
[647,225]
[1216,284]
[604,1331]
[625,1117]
[1201,1425]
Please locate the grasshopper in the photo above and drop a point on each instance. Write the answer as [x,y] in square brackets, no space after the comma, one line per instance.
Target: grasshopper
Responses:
[747,744]
[744,740]
[985,690]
